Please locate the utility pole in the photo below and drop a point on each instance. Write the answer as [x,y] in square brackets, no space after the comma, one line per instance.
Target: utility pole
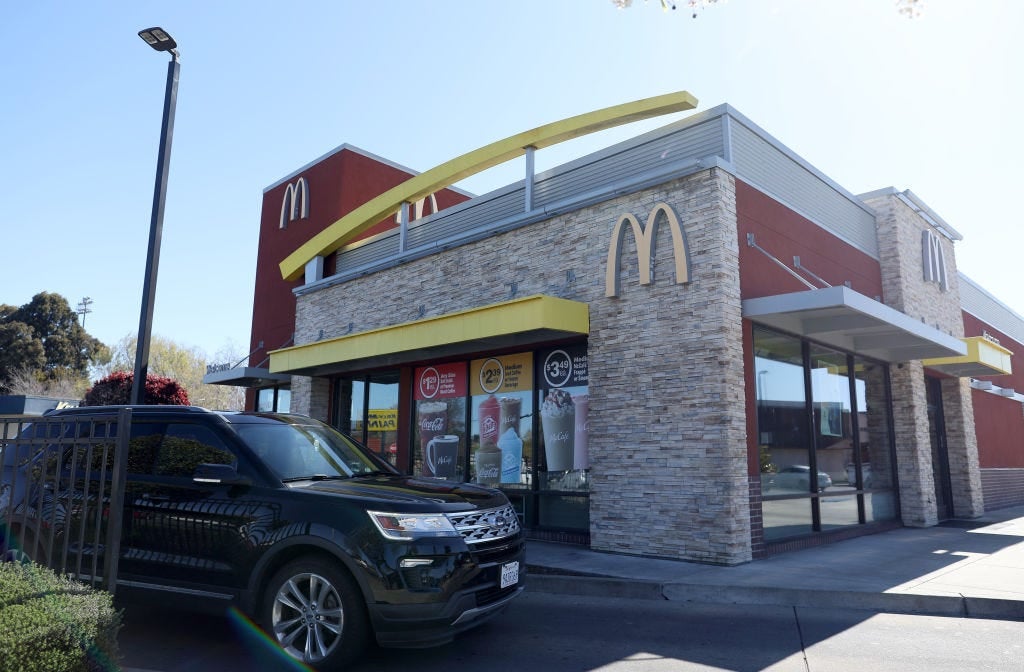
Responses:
[83,308]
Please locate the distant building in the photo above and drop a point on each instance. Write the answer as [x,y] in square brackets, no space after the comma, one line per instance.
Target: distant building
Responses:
[26,404]
[692,344]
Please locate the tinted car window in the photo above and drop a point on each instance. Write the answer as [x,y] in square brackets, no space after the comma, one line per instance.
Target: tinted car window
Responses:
[302,451]
[186,446]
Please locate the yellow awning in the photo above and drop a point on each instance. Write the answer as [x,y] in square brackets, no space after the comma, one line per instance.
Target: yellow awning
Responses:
[983,358]
[517,323]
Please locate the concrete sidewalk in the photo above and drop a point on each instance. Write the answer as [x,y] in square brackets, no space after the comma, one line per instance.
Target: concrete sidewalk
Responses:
[971,568]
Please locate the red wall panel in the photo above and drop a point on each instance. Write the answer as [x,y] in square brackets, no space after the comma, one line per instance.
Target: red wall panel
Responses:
[786,234]
[338,184]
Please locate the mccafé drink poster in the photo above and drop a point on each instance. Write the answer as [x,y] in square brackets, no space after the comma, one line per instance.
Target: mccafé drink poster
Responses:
[564,409]
[502,422]
[439,439]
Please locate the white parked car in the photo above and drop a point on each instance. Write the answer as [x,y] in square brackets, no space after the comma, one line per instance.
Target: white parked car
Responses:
[798,478]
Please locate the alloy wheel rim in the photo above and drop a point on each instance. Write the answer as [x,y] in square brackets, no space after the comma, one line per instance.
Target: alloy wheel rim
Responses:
[307,617]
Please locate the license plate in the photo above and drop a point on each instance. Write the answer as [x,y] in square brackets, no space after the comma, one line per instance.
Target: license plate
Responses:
[509,574]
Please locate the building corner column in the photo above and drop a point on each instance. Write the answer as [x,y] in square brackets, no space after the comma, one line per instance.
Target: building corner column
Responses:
[913,445]
[962,447]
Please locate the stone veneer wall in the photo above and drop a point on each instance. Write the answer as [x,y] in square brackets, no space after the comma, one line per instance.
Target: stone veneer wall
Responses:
[900,248]
[667,415]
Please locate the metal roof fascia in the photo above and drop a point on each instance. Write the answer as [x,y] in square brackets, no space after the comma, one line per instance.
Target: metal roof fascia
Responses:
[246,376]
[786,311]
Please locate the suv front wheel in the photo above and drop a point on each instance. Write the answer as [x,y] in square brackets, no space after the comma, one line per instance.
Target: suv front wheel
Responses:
[314,611]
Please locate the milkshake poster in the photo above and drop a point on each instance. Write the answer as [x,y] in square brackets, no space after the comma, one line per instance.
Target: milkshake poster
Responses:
[502,419]
[439,393]
[564,408]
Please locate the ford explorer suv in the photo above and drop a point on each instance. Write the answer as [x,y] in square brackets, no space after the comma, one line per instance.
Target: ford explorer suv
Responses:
[321,542]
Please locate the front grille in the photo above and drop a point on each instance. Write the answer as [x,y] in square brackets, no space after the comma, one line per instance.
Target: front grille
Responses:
[493,594]
[487,525]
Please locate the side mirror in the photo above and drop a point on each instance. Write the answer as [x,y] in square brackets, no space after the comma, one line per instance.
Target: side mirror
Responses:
[219,474]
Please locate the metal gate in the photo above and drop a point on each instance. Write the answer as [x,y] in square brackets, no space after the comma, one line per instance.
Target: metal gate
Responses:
[62,483]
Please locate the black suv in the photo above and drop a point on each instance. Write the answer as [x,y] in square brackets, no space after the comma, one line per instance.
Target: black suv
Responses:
[323,543]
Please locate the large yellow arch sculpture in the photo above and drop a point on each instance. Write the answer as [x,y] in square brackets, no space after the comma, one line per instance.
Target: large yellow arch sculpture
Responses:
[471,163]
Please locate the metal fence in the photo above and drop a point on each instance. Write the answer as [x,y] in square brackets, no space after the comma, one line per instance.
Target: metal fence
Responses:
[62,484]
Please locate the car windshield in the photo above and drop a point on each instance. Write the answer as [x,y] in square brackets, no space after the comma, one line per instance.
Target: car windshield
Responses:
[308,451]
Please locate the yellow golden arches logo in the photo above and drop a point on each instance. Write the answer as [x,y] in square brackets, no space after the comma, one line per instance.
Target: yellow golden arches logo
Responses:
[471,163]
[646,237]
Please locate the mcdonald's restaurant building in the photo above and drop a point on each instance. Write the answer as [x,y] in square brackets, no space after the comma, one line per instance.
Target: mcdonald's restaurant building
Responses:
[689,345]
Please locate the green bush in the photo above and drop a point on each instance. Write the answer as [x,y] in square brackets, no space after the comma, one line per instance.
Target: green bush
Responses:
[51,623]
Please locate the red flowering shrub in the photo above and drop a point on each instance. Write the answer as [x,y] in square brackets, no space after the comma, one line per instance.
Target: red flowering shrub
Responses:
[117,389]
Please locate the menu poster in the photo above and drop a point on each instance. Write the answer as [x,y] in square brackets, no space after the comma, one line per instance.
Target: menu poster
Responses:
[440,395]
[496,375]
[443,381]
[502,389]
[565,404]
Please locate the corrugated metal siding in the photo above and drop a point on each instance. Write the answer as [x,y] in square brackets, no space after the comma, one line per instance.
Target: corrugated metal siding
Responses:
[590,174]
[756,158]
[767,168]
[694,142]
[463,219]
[378,250]
[981,304]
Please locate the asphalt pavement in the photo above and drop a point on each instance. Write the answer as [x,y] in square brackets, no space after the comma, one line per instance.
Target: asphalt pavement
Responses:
[961,568]
[966,568]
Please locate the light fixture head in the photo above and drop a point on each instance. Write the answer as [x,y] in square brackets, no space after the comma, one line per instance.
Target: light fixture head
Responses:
[158,38]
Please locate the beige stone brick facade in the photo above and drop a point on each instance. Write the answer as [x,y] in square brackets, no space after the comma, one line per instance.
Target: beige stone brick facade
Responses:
[900,240]
[667,416]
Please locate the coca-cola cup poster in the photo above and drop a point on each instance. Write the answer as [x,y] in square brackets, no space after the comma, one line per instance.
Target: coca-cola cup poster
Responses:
[439,438]
[501,402]
[564,410]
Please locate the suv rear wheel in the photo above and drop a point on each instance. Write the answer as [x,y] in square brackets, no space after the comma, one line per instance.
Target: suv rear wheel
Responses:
[314,611]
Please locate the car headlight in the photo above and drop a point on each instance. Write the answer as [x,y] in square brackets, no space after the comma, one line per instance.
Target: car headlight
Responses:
[412,525]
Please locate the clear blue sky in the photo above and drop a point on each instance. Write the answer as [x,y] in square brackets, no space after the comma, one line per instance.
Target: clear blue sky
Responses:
[869,97]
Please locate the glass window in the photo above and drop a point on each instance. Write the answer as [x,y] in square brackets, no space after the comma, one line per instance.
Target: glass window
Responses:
[273,400]
[284,400]
[838,511]
[502,419]
[357,407]
[265,400]
[439,438]
[832,418]
[382,417]
[781,414]
[786,518]
[827,464]
[367,410]
[563,386]
[874,455]
[186,446]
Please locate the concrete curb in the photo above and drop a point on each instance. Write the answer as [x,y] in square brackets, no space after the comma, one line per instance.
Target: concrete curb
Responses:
[896,603]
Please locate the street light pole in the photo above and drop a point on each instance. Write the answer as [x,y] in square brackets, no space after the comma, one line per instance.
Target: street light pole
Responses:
[161,41]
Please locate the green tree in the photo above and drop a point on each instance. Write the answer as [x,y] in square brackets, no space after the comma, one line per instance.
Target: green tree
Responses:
[183,364]
[67,346]
[20,350]
[42,343]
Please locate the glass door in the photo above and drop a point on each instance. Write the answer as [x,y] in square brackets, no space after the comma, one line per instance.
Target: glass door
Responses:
[366,408]
[940,452]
